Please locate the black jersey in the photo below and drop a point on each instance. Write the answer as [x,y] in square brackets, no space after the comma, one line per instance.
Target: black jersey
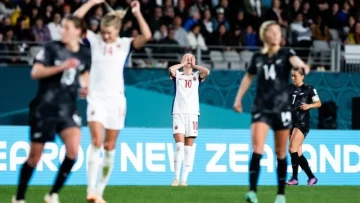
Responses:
[273,73]
[299,95]
[61,88]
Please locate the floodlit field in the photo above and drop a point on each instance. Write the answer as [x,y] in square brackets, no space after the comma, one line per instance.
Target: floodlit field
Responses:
[193,194]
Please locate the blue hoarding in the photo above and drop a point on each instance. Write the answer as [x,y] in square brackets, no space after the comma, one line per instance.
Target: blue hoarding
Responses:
[144,156]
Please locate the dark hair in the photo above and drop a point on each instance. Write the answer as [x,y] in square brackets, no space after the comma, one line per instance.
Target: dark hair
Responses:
[299,70]
[79,23]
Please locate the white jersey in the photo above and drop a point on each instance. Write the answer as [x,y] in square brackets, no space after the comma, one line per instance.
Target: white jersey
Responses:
[186,93]
[107,67]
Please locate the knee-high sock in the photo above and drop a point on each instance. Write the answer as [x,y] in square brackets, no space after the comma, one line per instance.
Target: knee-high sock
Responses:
[93,167]
[106,170]
[188,155]
[178,158]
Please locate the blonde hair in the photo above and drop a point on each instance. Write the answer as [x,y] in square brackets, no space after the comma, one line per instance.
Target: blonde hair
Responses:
[263,28]
[114,18]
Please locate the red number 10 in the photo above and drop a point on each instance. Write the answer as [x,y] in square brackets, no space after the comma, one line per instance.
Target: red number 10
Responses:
[188,83]
[195,125]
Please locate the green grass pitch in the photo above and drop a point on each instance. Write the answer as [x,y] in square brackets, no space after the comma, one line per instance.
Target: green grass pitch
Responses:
[193,194]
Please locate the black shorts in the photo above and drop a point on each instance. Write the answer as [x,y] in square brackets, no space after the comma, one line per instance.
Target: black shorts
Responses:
[277,121]
[45,124]
[304,129]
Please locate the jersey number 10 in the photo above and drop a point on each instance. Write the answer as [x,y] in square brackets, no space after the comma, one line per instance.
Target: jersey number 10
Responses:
[269,72]
[188,83]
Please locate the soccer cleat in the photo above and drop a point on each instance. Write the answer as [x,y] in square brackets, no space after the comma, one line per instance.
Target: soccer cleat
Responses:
[99,200]
[175,183]
[183,184]
[13,200]
[280,199]
[312,181]
[91,198]
[53,198]
[292,181]
[251,197]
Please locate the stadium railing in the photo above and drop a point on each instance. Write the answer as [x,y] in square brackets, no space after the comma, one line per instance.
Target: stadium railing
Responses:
[332,56]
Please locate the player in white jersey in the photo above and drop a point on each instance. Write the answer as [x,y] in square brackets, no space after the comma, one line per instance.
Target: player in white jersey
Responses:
[185,113]
[106,99]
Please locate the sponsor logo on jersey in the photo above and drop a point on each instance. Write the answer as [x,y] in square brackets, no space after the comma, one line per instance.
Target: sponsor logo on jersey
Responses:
[92,112]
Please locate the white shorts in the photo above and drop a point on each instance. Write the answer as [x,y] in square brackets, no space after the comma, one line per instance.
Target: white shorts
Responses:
[109,111]
[186,124]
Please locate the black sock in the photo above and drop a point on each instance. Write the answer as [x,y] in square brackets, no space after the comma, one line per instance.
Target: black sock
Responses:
[254,171]
[295,164]
[64,172]
[281,175]
[304,164]
[25,175]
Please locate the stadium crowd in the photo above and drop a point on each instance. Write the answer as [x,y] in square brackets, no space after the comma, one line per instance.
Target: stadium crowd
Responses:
[190,23]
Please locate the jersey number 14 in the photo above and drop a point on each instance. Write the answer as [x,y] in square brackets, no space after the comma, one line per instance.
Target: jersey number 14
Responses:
[269,72]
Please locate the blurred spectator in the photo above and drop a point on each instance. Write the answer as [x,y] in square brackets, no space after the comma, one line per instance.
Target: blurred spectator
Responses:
[295,9]
[126,29]
[308,12]
[220,19]
[180,33]
[75,4]
[25,6]
[169,15]
[219,37]
[320,31]
[240,20]
[58,6]
[200,5]
[196,39]
[344,14]
[156,22]
[224,4]
[55,27]
[171,47]
[161,33]
[275,13]
[194,19]
[254,12]
[236,37]
[207,24]
[34,15]
[354,35]
[138,54]
[67,11]
[48,16]
[181,10]
[22,31]
[333,18]
[250,38]
[98,14]
[40,31]
[350,24]
[6,7]
[94,26]
[301,35]
[11,47]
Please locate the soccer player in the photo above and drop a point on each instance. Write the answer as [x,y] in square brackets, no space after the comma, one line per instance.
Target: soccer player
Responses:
[271,108]
[303,98]
[185,113]
[53,110]
[106,98]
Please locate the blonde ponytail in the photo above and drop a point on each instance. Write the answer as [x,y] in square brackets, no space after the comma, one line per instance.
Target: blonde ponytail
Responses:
[114,18]
[264,26]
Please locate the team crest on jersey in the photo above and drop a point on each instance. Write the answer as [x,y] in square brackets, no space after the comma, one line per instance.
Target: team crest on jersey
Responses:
[118,46]
[194,78]
[176,127]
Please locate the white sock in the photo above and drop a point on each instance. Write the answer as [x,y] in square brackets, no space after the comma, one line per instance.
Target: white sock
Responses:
[93,168]
[188,153]
[106,170]
[178,158]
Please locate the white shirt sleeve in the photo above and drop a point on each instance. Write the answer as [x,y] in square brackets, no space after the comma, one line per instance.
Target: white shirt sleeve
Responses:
[92,38]
[127,42]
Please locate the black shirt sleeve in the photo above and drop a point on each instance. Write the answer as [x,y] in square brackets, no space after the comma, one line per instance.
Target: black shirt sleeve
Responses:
[46,55]
[252,70]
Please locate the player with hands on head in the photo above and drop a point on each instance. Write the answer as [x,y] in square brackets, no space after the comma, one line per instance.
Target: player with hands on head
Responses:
[303,98]
[57,67]
[271,107]
[185,113]
[106,94]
